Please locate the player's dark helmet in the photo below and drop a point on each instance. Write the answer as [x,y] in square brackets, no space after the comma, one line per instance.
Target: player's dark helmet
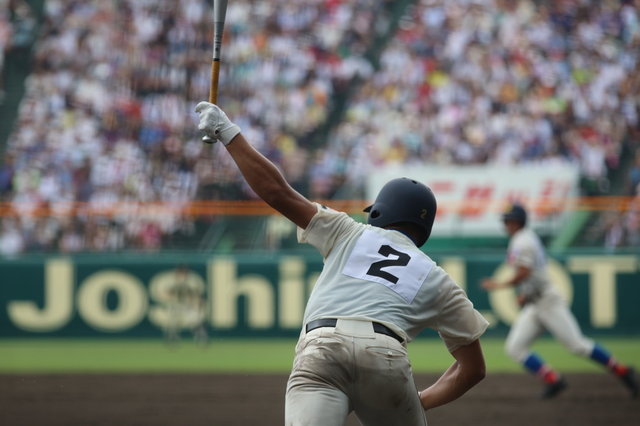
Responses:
[404,200]
[516,213]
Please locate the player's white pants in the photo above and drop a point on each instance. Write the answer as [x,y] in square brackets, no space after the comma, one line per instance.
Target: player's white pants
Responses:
[351,368]
[549,313]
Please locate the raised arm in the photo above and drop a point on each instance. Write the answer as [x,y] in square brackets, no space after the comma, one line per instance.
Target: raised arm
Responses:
[260,173]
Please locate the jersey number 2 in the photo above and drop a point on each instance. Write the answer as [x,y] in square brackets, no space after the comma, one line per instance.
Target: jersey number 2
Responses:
[376,267]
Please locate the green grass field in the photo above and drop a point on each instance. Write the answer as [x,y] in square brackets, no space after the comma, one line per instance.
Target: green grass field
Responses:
[19,356]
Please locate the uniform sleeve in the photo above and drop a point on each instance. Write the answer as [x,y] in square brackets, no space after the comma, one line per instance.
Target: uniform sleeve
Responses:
[522,254]
[459,323]
[325,229]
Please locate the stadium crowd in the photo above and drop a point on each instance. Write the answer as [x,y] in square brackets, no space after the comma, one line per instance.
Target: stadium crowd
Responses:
[108,116]
[501,82]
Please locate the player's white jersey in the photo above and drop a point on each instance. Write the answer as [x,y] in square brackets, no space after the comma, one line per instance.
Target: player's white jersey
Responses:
[525,249]
[367,268]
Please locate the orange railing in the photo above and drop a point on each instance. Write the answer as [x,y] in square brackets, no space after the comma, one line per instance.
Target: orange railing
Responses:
[259,208]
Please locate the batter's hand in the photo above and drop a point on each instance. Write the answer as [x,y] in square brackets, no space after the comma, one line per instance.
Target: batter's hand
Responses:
[215,123]
[489,284]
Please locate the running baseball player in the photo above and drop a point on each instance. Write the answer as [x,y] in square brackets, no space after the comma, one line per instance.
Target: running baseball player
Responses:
[544,309]
[376,292]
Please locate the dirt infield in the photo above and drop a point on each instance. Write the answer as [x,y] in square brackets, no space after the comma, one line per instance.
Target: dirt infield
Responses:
[219,400]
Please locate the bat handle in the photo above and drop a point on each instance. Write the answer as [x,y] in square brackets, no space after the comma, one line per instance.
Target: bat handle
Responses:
[215,76]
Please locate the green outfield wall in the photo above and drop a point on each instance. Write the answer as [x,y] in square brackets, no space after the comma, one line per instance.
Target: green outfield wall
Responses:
[264,296]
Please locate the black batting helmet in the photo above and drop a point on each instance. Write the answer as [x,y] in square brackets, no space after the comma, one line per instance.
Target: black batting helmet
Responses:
[404,200]
[516,213]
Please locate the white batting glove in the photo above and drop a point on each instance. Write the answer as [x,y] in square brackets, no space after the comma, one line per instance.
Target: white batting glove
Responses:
[215,123]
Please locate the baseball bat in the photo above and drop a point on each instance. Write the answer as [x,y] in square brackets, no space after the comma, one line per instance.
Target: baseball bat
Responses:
[219,16]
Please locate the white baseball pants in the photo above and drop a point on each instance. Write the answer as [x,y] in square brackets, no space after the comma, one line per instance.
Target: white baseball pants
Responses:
[549,313]
[351,368]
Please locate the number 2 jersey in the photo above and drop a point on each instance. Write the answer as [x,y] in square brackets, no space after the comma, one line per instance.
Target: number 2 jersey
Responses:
[380,275]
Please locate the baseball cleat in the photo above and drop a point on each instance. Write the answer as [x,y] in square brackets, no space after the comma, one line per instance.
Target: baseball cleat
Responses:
[553,389]
[631,382]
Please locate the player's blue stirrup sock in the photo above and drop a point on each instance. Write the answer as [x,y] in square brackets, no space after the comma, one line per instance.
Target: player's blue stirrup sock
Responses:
[533,363]
[537,366]
[602,356]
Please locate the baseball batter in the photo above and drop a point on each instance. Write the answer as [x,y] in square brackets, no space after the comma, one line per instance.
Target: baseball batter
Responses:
[376,292]
[544,309]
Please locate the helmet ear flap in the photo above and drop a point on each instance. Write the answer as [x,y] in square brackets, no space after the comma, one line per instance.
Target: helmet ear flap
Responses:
[373,214]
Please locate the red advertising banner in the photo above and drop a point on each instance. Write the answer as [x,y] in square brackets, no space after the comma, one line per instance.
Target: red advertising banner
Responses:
[471,198]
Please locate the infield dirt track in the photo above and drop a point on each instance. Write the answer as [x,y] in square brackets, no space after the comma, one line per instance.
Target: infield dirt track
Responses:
[230,400]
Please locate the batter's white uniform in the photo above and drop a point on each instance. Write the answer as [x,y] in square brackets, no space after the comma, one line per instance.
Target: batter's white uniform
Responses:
[370,275]
[545,308]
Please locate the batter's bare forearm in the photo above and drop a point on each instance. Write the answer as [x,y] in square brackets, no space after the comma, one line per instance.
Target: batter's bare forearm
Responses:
[260,173]
[269,184]
[454,383]
[466,372]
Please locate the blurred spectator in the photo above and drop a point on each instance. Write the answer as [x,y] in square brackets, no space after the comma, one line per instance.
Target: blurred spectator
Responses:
[23,24]
[5,38]
[632,224]
[17,32]
[72,238]
[633,176]
[614,231]
[594,169]
[11,239]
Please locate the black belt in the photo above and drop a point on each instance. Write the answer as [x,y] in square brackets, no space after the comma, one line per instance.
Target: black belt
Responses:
[331,322]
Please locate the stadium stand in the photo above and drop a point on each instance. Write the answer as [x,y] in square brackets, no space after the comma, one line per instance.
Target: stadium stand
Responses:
[108,114]
[321,88]
[499,82]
